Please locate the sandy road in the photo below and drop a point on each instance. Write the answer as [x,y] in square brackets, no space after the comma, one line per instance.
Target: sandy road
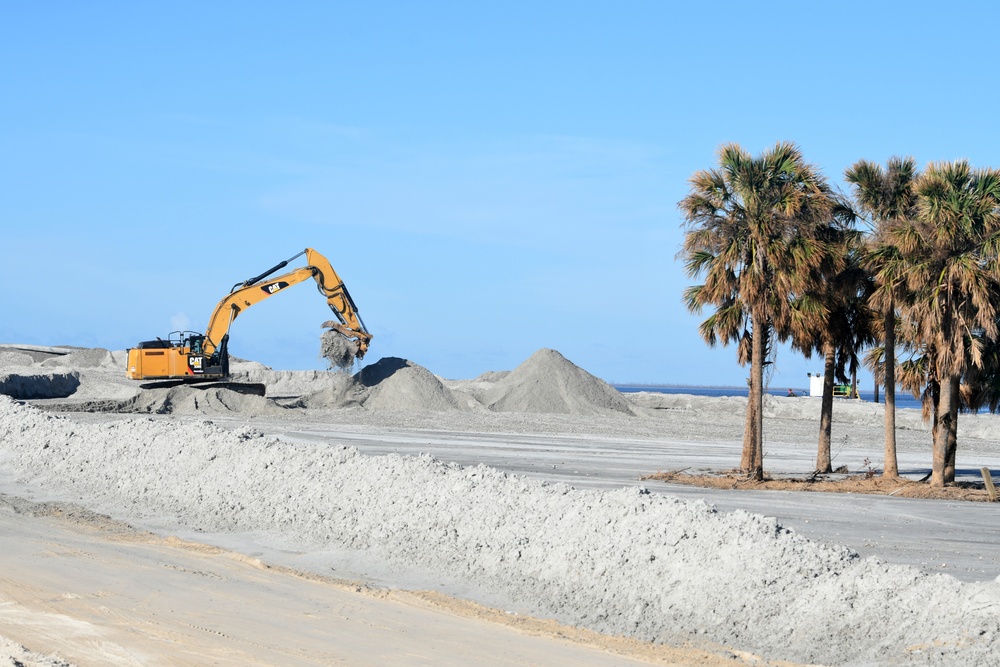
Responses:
[98,592]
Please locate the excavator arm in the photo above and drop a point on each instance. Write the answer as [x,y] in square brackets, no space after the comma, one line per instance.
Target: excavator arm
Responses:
[192,356]
[256,289]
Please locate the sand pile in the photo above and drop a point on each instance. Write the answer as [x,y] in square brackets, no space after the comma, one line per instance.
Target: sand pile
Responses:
[685,402]
[545,383]
[21,377]
[15,358]
[187,400]
[548,382]
[38,372]
[13,654]
[391,384]
[38,353]
[32,384]
[623,562]
[803,408]
[399,384]
[339,391]
[339,350]
[88,358]
[491,377]
[292,383]
[478,386]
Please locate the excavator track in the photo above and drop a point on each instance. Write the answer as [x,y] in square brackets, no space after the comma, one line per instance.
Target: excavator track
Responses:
[249,388]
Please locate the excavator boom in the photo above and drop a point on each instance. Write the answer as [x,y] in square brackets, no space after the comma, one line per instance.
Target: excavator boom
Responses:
[194,356]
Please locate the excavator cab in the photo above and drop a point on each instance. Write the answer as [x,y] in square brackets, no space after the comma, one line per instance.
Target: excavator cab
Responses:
[193,341]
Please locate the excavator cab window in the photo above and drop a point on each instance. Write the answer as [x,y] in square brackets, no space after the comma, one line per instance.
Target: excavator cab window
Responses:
[192,340]
[195,344]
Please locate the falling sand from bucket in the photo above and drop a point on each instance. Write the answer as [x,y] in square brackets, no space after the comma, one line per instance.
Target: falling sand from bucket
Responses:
[339,350]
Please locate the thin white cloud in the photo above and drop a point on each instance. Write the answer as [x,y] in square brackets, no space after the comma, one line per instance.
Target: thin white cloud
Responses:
[530,188]
[180,322]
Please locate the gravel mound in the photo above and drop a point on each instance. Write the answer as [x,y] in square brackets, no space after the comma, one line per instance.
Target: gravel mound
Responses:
[398,384]
[623,562]
[30,383]
[548,382]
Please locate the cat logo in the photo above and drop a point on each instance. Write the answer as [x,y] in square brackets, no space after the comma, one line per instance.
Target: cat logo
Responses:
[194,363]
[274,287]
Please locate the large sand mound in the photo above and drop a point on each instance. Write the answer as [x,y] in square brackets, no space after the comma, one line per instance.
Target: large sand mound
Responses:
[548,382]
[622,562]
[399,384]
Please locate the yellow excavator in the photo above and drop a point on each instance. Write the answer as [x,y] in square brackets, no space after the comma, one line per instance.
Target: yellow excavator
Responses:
[191,357]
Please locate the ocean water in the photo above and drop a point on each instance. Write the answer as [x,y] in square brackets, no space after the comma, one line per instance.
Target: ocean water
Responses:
[903,399]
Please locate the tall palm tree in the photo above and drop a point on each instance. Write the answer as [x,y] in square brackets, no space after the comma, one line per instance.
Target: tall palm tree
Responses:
[953,254]
[836,320]
[888,198]
[752,234]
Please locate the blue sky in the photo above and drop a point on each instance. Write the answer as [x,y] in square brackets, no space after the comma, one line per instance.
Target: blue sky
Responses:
[487,179]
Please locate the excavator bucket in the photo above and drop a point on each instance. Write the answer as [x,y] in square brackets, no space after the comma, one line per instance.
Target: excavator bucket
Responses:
[339,348]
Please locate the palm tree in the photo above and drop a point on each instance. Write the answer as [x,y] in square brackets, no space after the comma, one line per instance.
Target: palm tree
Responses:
[751,233]
[952,250]
[887,197]
[836,321]
[981,385]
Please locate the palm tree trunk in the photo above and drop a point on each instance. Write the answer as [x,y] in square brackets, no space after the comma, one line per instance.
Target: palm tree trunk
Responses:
[746,460]
[951,443]
[823,464]
[753,434]
[941,429]
[891,467]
